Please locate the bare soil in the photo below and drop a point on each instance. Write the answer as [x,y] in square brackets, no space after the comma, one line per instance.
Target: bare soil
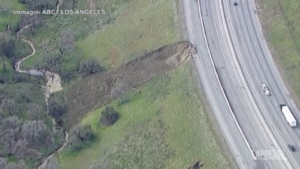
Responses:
[99,89]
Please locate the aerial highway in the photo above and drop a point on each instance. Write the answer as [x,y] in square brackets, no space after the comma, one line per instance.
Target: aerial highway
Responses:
[237,58]
[244,130]
[259,68]
[218,102]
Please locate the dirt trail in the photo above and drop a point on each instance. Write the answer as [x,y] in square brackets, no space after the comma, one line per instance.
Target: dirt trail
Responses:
[53,85]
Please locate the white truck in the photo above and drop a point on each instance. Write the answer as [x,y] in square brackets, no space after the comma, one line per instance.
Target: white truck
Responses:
[288,115]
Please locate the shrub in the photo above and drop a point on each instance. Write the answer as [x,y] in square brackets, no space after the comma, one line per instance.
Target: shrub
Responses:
[80,136]
[109,116]
[89,67]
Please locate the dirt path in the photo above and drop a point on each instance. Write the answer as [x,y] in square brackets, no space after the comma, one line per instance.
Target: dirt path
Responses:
[53,85]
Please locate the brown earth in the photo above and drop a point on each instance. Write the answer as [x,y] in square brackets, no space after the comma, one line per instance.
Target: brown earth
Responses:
[99,89]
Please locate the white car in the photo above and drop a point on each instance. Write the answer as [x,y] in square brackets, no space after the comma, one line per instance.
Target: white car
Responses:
[265,89]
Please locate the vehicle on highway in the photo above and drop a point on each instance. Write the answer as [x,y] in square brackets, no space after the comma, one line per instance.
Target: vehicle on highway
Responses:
[292,148]
[288,115]
[265,89]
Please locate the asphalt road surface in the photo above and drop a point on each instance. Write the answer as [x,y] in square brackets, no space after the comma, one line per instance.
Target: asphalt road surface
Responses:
[239,118]
[258,67]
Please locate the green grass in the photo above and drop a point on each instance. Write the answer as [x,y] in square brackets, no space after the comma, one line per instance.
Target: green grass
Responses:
[47,38]
[280,20]
[12,159]
[164,116]
[168,122]
[5,67]
[28,63]
[6,10]
[136,31]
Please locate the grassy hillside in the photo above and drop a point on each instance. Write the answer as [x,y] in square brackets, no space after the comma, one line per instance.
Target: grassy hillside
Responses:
[6,10]
[163,125]
[165,117]
[27,133]
[136,31]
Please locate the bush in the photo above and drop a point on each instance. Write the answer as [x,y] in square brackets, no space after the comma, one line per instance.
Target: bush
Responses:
[109,116]
[123,100]
[89,67]
[80,136]
[56,109]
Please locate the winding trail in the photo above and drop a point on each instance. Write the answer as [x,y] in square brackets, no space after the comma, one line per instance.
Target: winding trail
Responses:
[53,85]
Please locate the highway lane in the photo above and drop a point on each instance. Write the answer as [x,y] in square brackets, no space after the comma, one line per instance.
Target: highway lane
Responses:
[243,109]
[213,91]
[282,92]
[269,59]
[250,123]
[258,72]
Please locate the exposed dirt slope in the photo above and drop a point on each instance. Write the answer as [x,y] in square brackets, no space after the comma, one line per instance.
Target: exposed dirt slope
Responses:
[97,90]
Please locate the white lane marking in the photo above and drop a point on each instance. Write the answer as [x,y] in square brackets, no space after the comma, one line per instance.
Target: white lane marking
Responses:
[284,131]
[266,127]
[239,128]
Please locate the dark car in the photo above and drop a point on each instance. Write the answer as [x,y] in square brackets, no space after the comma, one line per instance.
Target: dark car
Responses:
[292,148]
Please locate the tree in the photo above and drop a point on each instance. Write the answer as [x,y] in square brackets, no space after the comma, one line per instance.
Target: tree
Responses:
[2,79]
[90,66]
[109,116]
[82,133]
[9,48]
[35,132]
[4,164]
[35,112]
[9,131]
[56,109]
[23,95]
[49,62]
[80,136]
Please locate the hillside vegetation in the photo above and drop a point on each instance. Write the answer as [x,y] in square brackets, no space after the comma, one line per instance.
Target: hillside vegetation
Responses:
[27,133]
[161,124]
[160,121]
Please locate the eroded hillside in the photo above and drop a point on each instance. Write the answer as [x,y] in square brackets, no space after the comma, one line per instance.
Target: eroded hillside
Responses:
[99,89]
